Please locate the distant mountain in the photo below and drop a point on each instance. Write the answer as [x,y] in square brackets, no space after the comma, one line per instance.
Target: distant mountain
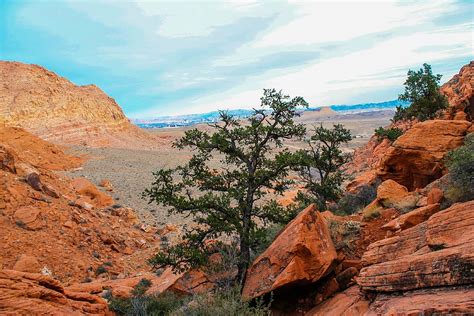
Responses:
[367,107]
[210,117]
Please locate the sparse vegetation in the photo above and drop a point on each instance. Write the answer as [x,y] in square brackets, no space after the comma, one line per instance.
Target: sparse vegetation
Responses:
[351,203]
[229,201]
[389,133]
[225,301]
[321,166]
[422,91]
[460,163]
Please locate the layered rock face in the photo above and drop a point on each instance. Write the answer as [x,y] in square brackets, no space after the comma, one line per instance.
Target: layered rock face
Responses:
[55,109]
[435,253]
[416,158]
[301,254]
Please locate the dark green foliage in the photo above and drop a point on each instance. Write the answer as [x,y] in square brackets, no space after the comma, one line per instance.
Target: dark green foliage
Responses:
[101,269]
[142,286]
[321,165]
[228,201]
[460,163]
[422,91]
[390,133]
[351,203]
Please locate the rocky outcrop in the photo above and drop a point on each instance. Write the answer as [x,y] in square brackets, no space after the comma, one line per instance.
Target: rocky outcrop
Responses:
[459,91]
[416,158]
[23,293]
[301,254]
[66,226]
[435,253]
[55,109]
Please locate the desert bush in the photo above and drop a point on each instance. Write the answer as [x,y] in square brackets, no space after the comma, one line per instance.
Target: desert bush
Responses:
[351,203]
[389,133]
[460,163]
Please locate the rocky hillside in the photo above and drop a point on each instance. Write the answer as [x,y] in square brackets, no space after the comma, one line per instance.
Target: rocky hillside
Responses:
[55,109]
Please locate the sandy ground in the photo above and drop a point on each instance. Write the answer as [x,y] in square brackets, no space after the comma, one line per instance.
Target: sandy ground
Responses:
[130,171]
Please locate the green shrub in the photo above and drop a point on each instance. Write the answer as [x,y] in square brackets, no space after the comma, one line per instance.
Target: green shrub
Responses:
[390,133]
[351,203]
[460,163]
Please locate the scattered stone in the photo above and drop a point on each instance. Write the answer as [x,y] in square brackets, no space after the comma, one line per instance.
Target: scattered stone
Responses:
[28,217]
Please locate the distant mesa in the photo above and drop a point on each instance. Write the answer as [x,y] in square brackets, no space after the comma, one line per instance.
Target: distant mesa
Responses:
[55,109]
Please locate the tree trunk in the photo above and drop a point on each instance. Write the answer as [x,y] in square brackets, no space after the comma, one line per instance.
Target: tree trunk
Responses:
[244,248]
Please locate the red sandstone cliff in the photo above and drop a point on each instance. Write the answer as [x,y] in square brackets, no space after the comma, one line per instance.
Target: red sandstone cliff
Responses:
[55,109]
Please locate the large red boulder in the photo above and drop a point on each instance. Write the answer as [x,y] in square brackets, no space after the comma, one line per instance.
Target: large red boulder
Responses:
[416,158]
[301,254]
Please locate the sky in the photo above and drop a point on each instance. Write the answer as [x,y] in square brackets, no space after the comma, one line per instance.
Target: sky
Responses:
[160,58]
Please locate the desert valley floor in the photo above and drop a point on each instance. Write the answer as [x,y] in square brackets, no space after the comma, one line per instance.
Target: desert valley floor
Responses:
[130,170]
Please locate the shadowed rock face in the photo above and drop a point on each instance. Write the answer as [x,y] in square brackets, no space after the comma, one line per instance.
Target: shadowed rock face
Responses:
[416,158]
[55,109]
[301,254]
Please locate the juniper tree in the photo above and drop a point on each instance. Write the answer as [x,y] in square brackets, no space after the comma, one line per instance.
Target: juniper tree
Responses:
[422,91]
[321,165]
[228,200]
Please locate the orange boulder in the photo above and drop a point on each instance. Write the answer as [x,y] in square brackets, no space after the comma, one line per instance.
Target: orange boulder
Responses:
[416,158]
[412,218]
[301,254]
[87,189]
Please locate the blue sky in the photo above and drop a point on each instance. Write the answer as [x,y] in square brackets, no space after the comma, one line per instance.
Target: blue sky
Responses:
[178,57]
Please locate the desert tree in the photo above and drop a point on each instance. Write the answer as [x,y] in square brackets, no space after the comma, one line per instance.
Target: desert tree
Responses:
[228,200]
[321,165]
[422,91]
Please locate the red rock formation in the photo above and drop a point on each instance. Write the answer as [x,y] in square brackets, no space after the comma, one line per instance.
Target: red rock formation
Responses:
[415,158]
[59,111]
[23,293]
[68,238]
[438,252]
[301,254]
[412,218]
[459,91]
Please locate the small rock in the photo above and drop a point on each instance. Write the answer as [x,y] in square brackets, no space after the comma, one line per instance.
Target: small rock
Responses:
[27,263]
[34,181]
